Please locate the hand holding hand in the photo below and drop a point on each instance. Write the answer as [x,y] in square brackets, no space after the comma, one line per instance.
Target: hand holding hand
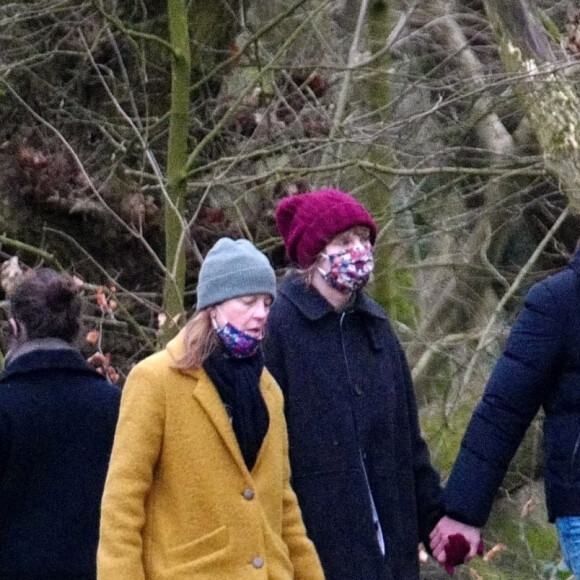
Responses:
[454,543]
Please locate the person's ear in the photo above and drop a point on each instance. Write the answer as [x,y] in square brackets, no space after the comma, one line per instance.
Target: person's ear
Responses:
[213,312]
[15,327]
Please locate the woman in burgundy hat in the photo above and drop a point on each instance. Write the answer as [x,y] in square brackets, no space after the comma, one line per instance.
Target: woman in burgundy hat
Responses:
[360,468]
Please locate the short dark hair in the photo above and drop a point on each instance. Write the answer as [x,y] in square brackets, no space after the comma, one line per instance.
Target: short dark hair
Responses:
[47,304]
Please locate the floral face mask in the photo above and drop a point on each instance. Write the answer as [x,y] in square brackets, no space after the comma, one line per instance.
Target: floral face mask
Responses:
[350,269]
[238,343]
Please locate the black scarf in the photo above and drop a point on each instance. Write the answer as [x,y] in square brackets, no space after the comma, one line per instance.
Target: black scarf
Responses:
[237,381]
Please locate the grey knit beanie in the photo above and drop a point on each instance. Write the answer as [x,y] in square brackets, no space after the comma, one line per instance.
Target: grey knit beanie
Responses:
[233,268]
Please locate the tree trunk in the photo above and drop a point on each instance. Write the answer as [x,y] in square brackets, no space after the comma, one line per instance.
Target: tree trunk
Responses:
[176,161]
[550,102]
[459,301]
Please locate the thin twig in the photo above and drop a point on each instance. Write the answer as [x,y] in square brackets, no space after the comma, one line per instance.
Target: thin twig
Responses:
[485,335]
[236,103]
[18,245]
[345,87]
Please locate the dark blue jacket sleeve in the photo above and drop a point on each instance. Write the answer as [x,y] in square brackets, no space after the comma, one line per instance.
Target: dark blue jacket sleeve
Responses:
[512,397]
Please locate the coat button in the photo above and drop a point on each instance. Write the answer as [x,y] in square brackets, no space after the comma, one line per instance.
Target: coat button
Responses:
[257,562]
[248,494]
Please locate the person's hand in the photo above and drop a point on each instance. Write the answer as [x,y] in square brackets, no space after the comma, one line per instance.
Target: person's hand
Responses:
[454,543]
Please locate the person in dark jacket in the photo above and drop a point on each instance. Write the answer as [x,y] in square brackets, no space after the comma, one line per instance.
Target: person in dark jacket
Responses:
[57,421]
[539,369]
[360,468]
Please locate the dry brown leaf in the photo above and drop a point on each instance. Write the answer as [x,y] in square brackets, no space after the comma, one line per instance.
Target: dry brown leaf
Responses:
[474,575]
[10,275]
[100,298]
[92,336]
[529,507]
[493,552]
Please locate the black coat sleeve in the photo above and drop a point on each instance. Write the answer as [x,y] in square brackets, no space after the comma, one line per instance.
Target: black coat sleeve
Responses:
[274,358]
[5,442]
[429,496]
[513,396]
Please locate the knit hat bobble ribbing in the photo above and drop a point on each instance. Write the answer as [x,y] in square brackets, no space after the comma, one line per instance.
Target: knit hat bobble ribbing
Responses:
[234,268]
[308,221]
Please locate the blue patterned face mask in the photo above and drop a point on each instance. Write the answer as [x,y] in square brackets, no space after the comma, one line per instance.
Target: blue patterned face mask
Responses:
[349,269]
[239,344]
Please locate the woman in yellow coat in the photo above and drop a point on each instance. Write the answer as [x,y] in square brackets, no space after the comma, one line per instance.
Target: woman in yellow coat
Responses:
[199,482]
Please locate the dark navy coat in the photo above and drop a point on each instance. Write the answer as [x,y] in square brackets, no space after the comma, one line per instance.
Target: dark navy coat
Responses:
[540,368]
[353,431]
[57,420]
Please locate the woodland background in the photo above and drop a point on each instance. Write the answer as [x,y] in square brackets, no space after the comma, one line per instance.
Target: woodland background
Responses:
[134,133]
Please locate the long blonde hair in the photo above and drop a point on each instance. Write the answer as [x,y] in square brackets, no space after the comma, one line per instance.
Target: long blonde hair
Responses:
[199,341]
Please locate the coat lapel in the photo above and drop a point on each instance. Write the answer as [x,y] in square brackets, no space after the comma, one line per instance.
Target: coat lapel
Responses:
[205,393]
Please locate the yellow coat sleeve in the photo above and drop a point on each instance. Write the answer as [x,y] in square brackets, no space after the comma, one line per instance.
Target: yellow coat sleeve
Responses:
[136,449]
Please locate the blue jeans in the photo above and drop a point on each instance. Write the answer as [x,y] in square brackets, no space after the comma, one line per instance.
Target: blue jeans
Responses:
[569,536]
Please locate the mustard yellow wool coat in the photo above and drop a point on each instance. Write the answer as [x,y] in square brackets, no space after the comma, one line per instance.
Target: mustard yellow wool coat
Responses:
[179,501]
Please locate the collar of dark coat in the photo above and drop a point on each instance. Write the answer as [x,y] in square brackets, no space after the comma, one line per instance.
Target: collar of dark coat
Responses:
[575,263]
[44,355]
[313,306]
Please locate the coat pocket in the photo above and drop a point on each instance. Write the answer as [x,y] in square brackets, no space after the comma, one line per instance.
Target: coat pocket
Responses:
[203,547]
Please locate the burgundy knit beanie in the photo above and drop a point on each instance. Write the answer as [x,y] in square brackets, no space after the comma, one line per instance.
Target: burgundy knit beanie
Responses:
[308,221]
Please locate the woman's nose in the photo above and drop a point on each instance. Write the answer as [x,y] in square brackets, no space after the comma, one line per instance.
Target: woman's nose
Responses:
[261,310]
[360,244]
